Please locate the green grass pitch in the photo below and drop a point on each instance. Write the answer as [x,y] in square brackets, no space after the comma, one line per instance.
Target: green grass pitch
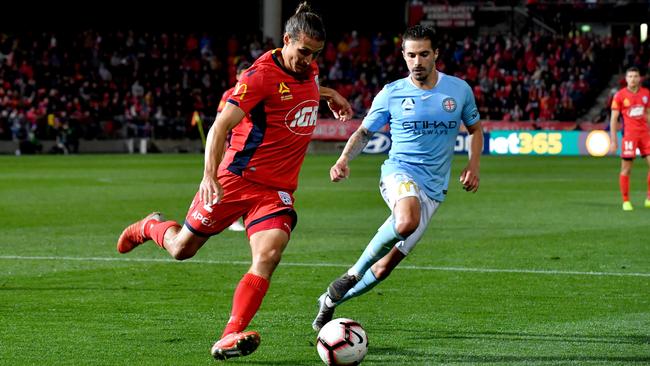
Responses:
[540,267]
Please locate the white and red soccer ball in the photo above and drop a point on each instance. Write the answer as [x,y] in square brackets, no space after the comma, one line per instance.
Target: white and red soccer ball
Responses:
[342,342]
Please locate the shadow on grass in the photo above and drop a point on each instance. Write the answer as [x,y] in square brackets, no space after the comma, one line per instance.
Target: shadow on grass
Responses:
[564,338]
[426,336]
[415,356]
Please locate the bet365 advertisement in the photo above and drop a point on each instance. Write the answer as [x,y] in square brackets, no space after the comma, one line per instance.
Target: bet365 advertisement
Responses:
[594,143]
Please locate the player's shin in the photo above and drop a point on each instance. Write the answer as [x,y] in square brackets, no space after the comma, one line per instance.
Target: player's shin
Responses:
[246,301]
[158,230]
[386,237]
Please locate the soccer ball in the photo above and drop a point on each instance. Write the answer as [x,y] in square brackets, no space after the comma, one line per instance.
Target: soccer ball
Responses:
[342,342]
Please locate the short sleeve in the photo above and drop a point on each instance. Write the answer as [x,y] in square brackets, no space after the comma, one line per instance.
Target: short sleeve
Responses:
[249,91]
[379,115]
[616,102]
[470,113]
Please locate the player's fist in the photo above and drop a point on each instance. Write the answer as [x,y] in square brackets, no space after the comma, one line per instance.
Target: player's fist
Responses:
[469,179]
[339,171]
[613,145]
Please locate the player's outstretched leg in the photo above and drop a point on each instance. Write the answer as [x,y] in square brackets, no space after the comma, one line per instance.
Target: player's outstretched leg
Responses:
[136,233]
[235,345]
[325,312]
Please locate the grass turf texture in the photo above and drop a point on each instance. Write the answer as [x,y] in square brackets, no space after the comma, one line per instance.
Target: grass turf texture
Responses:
[92,306]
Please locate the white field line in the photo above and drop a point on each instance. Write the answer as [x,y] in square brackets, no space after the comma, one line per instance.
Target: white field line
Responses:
[293,264]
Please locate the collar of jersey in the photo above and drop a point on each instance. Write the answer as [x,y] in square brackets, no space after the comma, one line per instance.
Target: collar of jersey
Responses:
[274,56]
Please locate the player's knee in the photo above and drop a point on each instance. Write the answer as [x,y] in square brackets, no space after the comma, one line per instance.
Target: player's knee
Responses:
[406,226]
[269,257]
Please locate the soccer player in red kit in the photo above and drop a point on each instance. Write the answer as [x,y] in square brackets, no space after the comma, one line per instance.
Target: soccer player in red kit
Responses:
[272,114]
[632,102]
[236,225]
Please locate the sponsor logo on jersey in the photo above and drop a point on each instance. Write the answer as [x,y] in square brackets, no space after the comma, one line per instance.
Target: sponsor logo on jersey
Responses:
[449,104]
[284,91]
[301,120]
[240,91]
[406,188]
[196,215]
[430,127]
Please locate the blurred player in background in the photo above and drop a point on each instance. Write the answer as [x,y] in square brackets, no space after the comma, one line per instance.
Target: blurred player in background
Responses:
[237,225]
[272,113]
[424,111]
[632,103]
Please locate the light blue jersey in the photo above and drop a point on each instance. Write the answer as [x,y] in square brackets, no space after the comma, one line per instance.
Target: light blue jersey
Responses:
[423,126]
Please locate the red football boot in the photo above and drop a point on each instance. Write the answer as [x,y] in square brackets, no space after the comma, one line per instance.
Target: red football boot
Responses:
[133,235]
[235,345]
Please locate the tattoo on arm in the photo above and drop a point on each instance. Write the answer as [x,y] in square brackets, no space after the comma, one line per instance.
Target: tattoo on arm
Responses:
[357,143]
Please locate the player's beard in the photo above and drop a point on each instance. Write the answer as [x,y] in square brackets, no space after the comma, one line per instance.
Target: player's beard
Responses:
[420,74]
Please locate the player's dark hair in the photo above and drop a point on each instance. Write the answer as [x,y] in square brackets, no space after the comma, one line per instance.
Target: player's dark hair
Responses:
[304,20]
[418,32]
[633,69]
[243,66]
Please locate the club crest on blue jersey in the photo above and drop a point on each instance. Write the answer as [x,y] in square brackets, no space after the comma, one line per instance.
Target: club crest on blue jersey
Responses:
[449,104]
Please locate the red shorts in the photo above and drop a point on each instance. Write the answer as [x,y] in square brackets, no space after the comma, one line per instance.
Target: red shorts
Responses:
[262,208]
[629,144]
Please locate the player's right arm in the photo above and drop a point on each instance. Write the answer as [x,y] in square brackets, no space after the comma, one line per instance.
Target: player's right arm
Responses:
[210,189]
[377,117]
[247,94]
[613,124]
[354,146]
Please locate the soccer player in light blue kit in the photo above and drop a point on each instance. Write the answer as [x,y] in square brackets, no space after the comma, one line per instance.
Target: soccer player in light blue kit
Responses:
[424,112]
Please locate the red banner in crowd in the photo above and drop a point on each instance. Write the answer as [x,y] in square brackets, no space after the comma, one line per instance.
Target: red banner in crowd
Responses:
[335,130]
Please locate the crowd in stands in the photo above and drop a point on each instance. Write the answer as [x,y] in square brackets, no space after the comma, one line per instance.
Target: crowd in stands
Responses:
[94,84]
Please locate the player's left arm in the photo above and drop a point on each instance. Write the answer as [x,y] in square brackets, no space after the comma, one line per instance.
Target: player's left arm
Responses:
[469,177]
[340,106]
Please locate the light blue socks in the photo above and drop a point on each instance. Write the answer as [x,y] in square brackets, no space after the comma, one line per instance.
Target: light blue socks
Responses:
[380,244]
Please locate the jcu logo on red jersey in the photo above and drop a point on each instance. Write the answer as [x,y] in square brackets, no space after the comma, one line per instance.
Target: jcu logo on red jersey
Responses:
[301,120]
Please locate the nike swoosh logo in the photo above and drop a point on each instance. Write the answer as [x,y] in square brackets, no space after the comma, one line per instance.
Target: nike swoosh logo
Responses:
[425,97]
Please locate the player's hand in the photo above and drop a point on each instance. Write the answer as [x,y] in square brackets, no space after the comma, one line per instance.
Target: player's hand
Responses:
[469,178]
[339,171]
[613,145]
[340,107]
[210,190]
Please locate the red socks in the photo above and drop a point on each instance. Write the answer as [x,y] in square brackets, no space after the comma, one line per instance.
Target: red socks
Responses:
[246,301]
[156,230]
[624,183]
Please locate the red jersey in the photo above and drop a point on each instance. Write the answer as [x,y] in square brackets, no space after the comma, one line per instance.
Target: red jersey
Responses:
[269,145]
[633,107]
[224,98]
